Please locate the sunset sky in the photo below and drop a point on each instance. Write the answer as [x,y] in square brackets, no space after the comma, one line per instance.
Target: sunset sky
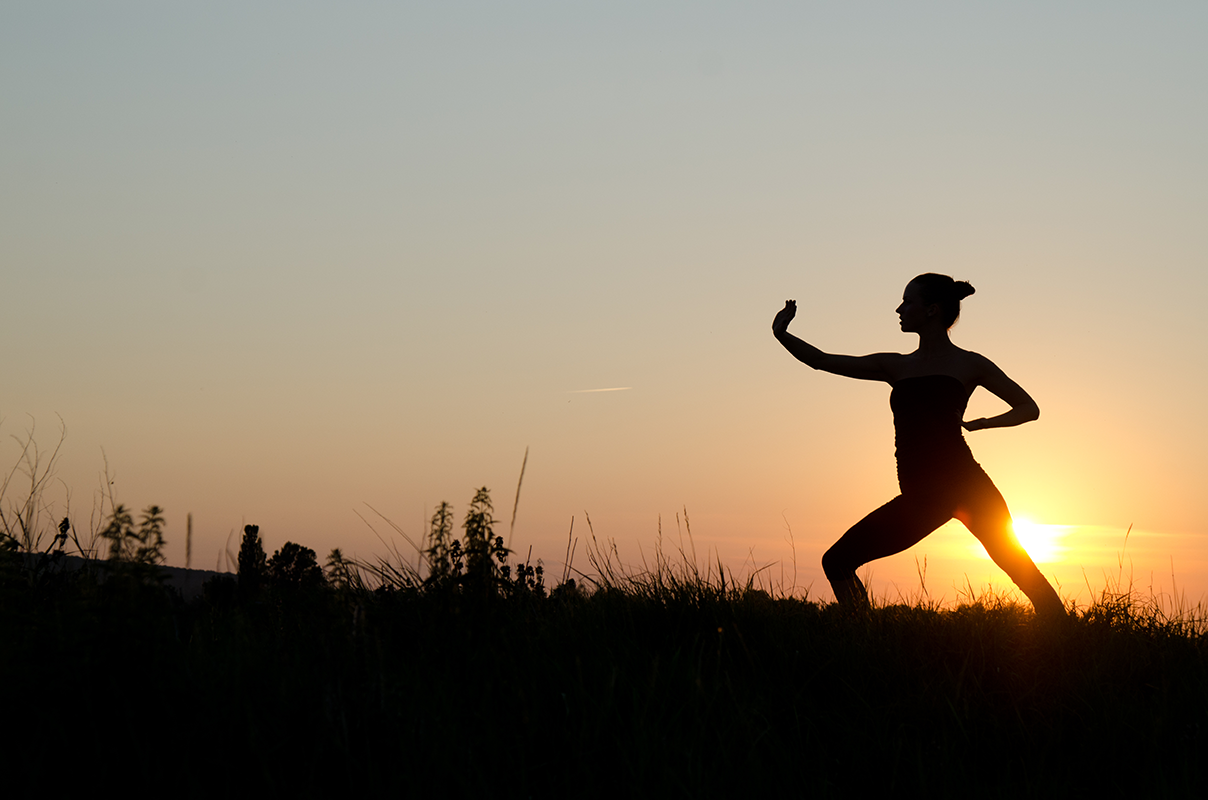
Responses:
[296,264]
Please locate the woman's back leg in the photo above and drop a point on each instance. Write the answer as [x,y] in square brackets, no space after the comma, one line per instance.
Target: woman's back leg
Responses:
[987,517]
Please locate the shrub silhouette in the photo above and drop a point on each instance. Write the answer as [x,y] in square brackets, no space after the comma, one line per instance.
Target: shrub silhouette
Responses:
[341,572]
[528,580]
[143,545]
[295,567]
[252,562]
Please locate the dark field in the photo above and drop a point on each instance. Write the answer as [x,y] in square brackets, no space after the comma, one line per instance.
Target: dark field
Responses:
[667,683]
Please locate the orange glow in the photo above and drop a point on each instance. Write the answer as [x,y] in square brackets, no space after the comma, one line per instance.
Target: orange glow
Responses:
[1042,542]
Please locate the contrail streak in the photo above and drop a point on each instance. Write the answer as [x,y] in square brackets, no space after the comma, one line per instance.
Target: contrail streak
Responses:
[614,389]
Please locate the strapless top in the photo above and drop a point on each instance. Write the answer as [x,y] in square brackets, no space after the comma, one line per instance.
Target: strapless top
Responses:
[927,414]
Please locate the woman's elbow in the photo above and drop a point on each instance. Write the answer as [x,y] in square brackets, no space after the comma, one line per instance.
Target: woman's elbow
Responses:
[1033,412]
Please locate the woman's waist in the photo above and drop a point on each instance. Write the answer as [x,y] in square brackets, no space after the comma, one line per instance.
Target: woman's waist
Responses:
[932,464]
[950,444]
[948,455]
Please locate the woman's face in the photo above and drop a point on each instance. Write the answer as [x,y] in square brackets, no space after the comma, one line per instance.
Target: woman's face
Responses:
[912,313]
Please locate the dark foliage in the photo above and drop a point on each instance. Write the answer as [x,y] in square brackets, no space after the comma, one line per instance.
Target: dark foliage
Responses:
[705,695]
[130,545]
[295,568]
[252,562]
[661,685]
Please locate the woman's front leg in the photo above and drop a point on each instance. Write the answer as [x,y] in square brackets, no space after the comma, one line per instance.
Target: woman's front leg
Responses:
[892,528]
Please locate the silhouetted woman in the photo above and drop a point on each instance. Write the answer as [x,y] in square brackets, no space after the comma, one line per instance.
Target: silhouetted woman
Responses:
[937,475]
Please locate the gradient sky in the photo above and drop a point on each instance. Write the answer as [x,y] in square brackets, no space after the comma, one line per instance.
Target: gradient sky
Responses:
[288,263]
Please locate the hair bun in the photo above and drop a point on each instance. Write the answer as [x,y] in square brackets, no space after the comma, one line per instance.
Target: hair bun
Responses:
[962,289]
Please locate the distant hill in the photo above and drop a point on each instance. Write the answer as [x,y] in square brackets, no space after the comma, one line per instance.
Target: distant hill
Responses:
[187,581]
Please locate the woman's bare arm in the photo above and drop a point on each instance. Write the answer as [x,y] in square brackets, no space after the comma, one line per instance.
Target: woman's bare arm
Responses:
[869,368]
[1023,407]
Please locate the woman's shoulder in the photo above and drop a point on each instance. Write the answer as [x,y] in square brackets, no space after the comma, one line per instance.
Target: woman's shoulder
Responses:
[895,365]
[977,364]
[978,370]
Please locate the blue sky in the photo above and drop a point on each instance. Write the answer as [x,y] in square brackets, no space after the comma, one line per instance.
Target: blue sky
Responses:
[277,261]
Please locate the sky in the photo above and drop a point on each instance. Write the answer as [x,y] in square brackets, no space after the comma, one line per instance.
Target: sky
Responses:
[319,267]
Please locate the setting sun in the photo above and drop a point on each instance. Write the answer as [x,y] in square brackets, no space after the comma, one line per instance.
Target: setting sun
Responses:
[1043,542]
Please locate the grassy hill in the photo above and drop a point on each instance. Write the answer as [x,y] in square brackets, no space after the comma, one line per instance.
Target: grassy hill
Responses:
[671,683]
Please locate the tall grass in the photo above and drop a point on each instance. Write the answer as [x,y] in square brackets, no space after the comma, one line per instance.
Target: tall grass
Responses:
[449,668]
[24,509]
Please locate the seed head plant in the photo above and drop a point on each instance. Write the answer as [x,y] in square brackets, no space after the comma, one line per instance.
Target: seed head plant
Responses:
[483,548]
[443,552]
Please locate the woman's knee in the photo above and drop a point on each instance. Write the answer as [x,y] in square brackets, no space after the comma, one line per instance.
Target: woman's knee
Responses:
[838,565]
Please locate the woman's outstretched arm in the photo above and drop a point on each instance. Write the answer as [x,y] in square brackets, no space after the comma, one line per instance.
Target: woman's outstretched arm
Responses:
[868,368]
[1023,407]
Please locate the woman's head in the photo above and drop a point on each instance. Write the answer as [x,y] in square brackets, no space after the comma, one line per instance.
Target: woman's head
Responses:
[941,290]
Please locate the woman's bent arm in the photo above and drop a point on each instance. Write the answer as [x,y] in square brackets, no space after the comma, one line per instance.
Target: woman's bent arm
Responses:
[1023,407]
[1016,416]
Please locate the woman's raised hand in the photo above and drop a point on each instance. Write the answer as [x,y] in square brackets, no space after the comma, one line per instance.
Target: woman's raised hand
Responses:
[781,323]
